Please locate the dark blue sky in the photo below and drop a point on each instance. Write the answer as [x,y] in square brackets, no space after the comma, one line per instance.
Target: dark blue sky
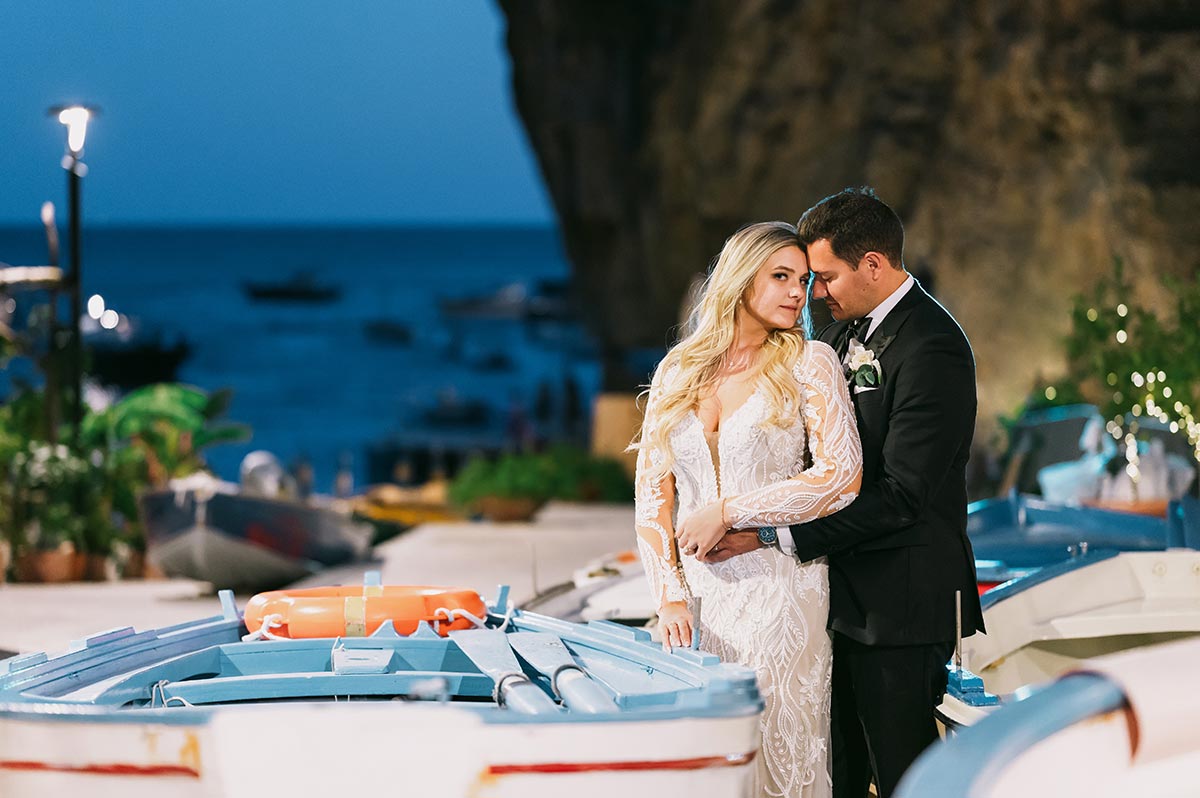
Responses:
[253,111]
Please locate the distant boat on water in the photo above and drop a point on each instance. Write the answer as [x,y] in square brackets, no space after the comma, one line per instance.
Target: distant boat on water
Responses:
[388,331]
[302,286]
[548,299]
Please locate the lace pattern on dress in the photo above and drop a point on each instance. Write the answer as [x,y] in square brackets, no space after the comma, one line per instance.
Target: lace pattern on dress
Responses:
[836,451]
[763,609]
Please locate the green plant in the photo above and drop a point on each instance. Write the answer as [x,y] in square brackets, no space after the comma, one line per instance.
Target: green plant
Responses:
[170,424]
[511,476]
[579,476]
[1131,361]
[53,496]
[48,482]
[561,473]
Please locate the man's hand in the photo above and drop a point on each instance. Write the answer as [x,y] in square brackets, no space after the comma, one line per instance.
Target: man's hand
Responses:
[701,530]
[735,542]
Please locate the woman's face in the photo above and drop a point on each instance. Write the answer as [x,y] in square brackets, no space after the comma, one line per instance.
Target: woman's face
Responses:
[779,290]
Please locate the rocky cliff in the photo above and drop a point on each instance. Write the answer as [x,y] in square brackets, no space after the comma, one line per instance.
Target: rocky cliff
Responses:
[1024,144]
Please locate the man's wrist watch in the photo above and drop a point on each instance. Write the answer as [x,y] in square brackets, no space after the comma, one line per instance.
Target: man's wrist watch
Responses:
[767,535]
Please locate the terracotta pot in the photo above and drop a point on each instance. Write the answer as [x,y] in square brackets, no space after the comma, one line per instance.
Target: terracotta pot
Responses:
[55,565]
[502,509]
[134,566]
[99,568]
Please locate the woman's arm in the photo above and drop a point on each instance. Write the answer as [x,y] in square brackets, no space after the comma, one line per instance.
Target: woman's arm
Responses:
[828,485]
[654,503]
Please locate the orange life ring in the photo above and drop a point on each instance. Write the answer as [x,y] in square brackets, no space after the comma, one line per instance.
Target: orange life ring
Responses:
[359,611]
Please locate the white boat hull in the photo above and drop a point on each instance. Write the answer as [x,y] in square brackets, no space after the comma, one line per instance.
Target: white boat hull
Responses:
[330,749]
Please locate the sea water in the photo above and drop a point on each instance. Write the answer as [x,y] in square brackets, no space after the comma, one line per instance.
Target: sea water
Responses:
[305,376]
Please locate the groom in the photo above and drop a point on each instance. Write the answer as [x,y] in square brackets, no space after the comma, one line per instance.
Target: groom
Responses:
[899,552]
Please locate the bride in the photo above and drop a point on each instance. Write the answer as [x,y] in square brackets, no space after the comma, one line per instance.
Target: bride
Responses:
[748,424]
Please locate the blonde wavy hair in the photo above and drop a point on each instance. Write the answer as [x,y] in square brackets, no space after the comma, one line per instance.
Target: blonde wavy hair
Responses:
[709,333]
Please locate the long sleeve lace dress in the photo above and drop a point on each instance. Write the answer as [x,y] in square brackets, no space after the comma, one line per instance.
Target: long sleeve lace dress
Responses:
[761,609]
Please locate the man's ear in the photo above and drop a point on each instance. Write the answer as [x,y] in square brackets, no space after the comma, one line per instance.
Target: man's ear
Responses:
[874,262]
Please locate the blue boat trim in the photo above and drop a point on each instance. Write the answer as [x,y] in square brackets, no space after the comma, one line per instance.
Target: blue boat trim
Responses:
[968,688]
[1043,575]
[524,668]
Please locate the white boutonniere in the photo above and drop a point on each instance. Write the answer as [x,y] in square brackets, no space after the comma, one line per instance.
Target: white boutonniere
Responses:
[862,366]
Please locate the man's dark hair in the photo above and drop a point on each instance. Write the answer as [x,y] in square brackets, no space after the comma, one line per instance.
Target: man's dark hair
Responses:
[855,222]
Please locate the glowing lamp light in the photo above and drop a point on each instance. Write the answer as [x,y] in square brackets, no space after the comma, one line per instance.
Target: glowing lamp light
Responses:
[109,319]
[96,306]
[75,117]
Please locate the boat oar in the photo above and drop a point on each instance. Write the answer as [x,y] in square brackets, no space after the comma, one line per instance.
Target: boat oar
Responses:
[489,650]
[547,654]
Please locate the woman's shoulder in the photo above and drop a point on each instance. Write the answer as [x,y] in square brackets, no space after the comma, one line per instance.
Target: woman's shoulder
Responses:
[816,355]
[665,373]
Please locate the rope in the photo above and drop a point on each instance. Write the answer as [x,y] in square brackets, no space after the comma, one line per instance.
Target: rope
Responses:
[479,623]
[264,631]
[159,690]
[457,613]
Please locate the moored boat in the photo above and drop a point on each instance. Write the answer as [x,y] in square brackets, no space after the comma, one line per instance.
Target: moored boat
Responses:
[1015,535]
[227,537]
[1126,725]
[508,704]
[1065,614]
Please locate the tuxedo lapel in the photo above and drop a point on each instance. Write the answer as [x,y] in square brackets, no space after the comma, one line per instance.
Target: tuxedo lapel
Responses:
[893,321]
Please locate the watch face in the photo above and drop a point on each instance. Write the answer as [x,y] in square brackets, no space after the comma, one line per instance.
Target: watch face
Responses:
[767,535]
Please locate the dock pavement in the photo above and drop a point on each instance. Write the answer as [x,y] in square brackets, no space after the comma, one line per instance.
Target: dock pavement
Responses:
[529,557]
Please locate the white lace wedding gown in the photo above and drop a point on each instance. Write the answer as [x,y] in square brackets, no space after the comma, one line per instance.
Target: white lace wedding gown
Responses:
[762,609]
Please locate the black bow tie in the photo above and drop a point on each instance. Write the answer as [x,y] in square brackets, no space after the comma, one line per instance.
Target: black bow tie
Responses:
[855,329]
[858,329]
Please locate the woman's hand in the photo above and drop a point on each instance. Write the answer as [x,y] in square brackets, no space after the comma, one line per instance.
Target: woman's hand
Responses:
[702,530]
[675,625]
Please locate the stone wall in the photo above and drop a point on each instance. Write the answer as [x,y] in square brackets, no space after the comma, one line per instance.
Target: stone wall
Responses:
[1024,144]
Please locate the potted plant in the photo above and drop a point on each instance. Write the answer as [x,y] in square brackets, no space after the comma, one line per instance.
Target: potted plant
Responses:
[512,488]
[47,481]
[582,477]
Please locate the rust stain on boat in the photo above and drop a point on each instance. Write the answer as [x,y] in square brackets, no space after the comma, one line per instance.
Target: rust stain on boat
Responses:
[189,752]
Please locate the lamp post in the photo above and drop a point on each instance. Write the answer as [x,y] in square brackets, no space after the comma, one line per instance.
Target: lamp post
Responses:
[75,118]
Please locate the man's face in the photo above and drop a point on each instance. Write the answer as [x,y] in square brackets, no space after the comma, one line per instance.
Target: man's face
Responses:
[847,292]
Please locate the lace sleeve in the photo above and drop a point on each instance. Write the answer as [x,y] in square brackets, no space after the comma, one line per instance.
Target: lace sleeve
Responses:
[830,483]
[654,502]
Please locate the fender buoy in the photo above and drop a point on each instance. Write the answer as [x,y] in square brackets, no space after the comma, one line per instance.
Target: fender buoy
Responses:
[358,611]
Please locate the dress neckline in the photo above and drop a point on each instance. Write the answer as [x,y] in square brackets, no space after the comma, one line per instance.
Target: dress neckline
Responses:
[721,425]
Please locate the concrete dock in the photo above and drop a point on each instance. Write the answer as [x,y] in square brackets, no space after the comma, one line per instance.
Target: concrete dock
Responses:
[528,557]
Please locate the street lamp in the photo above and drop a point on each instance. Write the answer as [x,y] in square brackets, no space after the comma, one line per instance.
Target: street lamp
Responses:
[75,118]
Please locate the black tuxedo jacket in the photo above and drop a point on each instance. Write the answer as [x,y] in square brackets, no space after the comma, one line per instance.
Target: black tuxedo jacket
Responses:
[900,550]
